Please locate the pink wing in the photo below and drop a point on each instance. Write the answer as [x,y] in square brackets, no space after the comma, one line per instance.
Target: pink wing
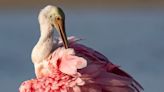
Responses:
[106,69]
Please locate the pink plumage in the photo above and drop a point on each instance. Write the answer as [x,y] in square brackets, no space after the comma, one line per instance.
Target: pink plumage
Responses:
[80,69]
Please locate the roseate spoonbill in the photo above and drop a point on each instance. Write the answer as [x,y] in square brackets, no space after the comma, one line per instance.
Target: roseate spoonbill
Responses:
[72,67]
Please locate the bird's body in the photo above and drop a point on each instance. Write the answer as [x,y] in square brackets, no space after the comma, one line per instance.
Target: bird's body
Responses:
[74,69]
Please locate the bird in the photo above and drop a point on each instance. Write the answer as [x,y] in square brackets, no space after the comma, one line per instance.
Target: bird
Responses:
[64,65]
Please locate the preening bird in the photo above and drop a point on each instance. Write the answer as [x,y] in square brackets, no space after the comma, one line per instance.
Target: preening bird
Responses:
[64,65]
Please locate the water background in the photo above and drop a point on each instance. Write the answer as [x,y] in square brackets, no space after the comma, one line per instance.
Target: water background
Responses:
[131,38]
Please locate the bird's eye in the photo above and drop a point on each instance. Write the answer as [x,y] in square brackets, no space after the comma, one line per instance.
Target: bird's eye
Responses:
[57,18]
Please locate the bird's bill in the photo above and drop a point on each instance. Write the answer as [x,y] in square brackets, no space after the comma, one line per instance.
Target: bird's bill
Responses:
[61,29]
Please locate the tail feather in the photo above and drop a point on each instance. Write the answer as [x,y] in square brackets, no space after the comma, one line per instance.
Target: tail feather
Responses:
[120,72]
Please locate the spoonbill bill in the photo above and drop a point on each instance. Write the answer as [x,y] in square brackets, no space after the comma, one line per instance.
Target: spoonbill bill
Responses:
[64,65]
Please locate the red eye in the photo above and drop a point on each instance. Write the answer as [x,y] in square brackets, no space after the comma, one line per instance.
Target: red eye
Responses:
[58,18]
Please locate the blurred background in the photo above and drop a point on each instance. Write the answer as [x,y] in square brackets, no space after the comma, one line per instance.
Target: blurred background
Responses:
[129,32]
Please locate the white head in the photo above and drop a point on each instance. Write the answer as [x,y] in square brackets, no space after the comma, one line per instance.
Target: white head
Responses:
[54,17]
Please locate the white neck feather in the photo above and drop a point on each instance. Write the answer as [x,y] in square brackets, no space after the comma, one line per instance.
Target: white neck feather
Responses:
[45,45]
[46,32]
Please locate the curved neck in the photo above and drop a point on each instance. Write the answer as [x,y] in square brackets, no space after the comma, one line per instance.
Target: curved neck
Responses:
[46,32]
[45,45]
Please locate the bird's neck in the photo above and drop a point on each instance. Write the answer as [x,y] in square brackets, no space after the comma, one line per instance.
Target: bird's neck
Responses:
[45,45]
[46,34]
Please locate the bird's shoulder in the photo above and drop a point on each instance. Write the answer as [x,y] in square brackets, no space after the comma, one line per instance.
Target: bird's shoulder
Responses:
[88,52]
[84,51]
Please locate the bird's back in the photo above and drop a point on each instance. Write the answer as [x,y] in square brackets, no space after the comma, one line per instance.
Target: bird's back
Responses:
[105,72]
